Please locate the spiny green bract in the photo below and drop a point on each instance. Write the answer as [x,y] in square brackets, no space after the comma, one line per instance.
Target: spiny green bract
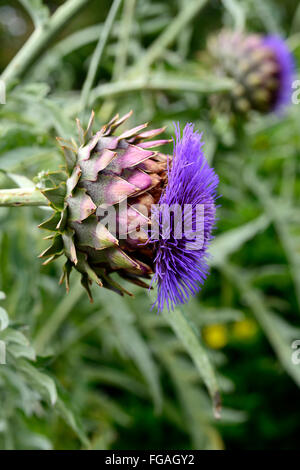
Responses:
[103,171]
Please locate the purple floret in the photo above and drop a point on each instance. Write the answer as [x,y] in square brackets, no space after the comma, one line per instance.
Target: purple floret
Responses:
[287,69]
[181,264]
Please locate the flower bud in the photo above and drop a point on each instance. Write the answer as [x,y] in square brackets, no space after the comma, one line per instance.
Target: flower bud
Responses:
[261,66]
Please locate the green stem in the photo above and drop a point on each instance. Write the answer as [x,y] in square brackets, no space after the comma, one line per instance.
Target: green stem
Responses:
[22,197]
[160,84]
[263,11]
[189,336]
[280,221]
[264,316]
[95,62]
[237,12]
[124,36]
[39,39]
[54,322]
[296,21]
[169,35]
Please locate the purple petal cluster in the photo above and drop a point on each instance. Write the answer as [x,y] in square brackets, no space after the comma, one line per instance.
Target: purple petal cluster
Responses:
[181,264]
[286,65]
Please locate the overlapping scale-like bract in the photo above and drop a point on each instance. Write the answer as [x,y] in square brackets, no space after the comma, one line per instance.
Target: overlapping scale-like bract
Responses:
[102,171]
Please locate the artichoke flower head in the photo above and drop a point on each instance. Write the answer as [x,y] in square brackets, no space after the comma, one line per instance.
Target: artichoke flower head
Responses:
[262,67]
[105,171]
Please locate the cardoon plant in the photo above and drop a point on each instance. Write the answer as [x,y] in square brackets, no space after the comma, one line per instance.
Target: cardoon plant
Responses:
[262,67]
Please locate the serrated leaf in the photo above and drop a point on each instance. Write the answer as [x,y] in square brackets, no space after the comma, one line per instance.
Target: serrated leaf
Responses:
[10,335]
[267,319]
[278,214]
[19,350]
[42,381]
[231,241]
[71,420]
[133,343]
[11,159]
[191,341]
[36,441]
[4,320]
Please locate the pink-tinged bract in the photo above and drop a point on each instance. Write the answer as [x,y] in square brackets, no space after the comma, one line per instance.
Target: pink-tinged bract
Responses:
[181,264]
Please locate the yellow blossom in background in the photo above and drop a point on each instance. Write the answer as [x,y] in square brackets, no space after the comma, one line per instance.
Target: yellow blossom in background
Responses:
[245,329]
[215,336]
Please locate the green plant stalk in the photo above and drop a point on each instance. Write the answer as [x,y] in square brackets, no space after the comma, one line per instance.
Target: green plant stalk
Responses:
[39,39]
[22,197]
[206,86]
[168,36]
[237,12]
[74,41]
[124,36]
[268,201]
[96,58]
[296,21]
[255,301]
[54,322]
[263,10]
[188,335]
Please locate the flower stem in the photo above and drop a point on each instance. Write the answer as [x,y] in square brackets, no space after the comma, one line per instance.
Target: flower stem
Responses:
[168,36]
[237,12]
[124,36]
[96,58]
[54,322]
[22,197]
[162,83]
[39,39]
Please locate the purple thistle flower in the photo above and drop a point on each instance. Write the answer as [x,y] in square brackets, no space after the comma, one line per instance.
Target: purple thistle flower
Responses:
[286,70]
[181,263]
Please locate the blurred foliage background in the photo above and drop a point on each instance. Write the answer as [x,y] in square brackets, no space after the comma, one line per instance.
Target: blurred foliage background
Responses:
[114,374]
